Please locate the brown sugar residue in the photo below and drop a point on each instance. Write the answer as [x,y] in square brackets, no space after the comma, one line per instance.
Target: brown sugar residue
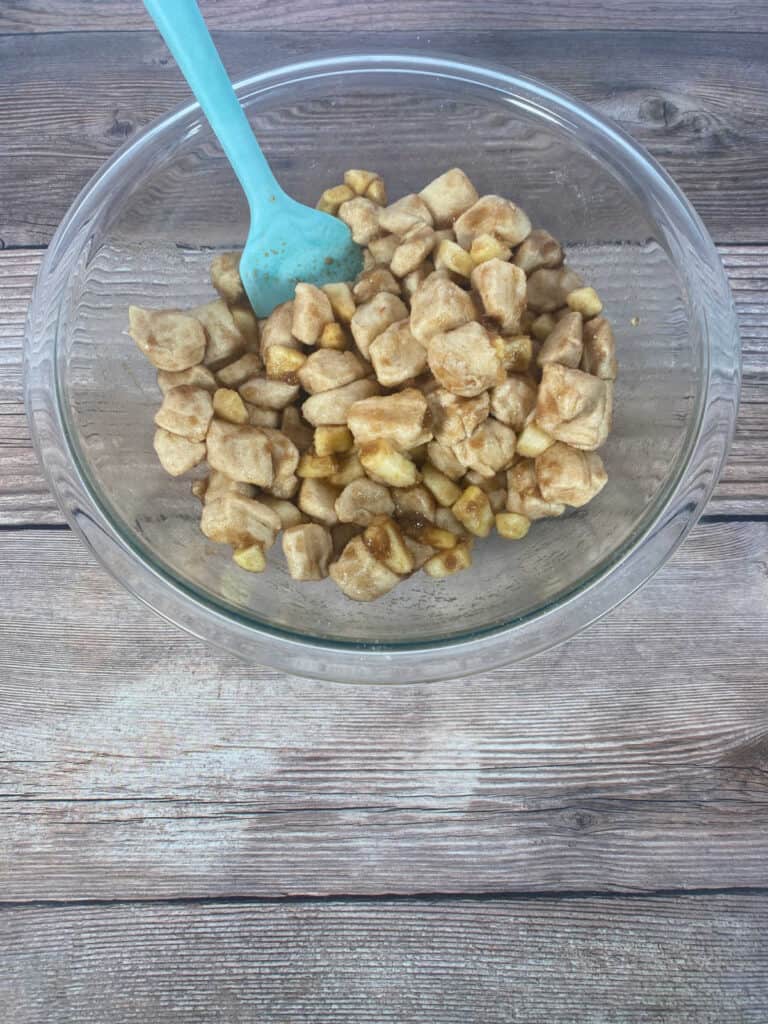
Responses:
[412,522]
[378,543]
[491,324]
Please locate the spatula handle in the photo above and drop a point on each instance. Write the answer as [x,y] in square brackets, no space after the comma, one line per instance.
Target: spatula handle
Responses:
[186,35]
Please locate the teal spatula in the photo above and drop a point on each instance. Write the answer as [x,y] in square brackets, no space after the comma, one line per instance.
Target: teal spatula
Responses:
[287,242]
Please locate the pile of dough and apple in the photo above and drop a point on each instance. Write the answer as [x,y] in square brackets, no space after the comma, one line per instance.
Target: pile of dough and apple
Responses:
[462,383]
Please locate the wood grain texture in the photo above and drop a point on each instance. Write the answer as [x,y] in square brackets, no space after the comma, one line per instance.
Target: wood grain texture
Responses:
[37,16]
[743,489]
[137,763]
[86,93]
[23,490]
[696,958]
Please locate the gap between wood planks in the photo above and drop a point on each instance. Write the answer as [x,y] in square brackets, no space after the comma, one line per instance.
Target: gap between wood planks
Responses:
[511,896]
[705,519]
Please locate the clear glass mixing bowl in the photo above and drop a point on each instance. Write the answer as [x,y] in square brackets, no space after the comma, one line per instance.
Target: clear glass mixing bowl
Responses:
[142,232]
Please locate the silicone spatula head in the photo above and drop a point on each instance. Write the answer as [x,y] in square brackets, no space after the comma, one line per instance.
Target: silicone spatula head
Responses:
[295,243]
[287,241]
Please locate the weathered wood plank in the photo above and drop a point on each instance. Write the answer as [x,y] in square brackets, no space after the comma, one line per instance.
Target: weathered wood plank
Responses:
[24,494]
[319,16]
[666,88]
[697,958]
[137,763]
[743,489]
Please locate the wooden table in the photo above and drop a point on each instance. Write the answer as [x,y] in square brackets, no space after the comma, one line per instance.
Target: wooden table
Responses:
[582,837]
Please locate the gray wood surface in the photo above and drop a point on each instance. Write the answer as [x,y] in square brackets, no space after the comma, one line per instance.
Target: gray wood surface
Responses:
[472,961]
[140,764]
[39,16]
[696,99]
[583,837]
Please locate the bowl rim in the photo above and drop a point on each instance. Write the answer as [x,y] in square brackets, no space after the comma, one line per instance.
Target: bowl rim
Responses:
[666,521]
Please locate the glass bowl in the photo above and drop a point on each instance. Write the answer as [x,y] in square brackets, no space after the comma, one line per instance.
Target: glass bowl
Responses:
[143,232]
